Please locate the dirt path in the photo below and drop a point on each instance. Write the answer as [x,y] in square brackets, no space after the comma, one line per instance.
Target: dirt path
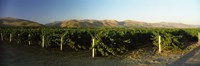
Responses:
[190,59]
[17,55]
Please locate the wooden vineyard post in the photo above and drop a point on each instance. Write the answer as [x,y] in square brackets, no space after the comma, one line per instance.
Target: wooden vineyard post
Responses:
[61,43]
[198,37]
[18,38]
[159,43]
[1,36]
[10,37]
[42,41]
[93,49]
[29,42]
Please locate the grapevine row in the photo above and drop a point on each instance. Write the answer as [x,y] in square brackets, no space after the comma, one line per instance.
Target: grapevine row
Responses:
[108,41]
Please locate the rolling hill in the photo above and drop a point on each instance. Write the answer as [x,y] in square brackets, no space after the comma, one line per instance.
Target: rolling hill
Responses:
[89,23]
[114,23]
[84,23]
[14,22]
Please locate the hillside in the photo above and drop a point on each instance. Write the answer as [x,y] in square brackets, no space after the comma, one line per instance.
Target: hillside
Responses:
[53,24]
[113,23]
[172,25]
[136,24]
[84,23]
[14,22]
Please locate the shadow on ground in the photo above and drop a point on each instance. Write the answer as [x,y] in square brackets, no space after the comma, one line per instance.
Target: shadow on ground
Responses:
[183,59]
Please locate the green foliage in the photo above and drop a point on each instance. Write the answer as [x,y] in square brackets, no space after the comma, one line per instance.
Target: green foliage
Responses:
[173,39]
[108,41]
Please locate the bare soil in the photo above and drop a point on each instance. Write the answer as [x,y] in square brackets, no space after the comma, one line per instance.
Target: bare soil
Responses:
[12,54]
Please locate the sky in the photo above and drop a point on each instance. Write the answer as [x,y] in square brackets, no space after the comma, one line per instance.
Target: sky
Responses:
[46,11]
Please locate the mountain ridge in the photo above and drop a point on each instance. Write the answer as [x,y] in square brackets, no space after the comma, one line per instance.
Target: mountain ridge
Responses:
[14,22]
[74,23]
[125,23]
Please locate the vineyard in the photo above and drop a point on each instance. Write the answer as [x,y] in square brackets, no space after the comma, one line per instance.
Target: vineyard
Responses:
[104,41]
